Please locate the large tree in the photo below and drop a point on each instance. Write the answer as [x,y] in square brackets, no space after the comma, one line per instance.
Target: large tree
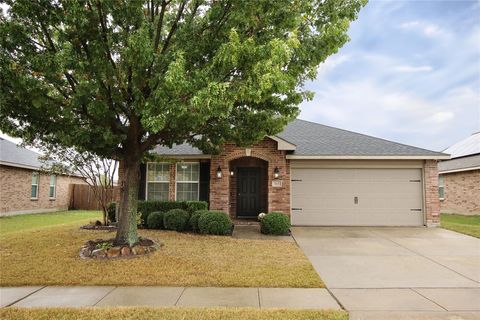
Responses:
[117,77]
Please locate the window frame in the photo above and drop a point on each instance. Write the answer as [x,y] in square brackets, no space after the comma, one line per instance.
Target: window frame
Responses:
[148,181]
[54,187]
[197,182]
[37,174]
[441,186]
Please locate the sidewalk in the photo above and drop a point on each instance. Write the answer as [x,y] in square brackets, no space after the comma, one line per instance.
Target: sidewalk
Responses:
[262,298]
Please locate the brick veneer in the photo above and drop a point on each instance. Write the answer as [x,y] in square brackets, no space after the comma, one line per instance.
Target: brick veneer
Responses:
[432,203]
[462,192]
[278,197]
[15,191]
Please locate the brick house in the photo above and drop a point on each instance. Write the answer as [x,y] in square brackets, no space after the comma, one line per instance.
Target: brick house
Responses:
[24,188]
[459,180]
[316,174]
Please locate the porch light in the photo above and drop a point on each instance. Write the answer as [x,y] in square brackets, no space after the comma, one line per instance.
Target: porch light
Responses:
[232,172]
[276,173]
[219,172]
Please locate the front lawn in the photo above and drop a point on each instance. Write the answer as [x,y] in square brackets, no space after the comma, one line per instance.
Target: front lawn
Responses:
[49,256]
[469,225]
[34,221]
[142,313]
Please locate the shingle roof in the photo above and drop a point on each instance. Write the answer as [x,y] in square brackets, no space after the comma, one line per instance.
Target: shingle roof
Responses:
[313,139]
[14,155]
[460,164]
[465,147]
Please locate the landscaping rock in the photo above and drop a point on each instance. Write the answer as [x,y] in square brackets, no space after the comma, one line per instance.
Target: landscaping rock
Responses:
[125,251]
[85,252]
[99,253]
[137,250]
[113,252]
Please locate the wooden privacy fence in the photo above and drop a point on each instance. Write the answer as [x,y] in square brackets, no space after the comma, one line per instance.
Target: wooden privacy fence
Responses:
[83,197]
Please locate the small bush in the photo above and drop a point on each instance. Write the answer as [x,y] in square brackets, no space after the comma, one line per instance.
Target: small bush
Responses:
[147,207]
[176,219]
[193,222]
[215,222]
[111,211]
[275,223]
[155,220]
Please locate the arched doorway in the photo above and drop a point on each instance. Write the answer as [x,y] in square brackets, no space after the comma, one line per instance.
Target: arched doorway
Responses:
[248,187]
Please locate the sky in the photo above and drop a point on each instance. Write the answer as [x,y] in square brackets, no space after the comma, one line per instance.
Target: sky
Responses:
[410,73]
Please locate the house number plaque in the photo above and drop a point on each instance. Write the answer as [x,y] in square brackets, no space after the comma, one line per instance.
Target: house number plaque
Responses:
[277,183]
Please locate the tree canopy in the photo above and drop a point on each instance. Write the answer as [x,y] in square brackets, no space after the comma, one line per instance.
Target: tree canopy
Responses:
[117,77]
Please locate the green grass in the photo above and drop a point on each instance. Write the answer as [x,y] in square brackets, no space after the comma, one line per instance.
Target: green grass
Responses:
[469,225]
[41,220]
[142,313]
[33,253]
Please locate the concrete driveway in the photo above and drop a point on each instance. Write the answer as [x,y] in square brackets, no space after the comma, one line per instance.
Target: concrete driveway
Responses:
[396,269]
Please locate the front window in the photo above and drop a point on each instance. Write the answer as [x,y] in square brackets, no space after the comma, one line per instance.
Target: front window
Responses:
[158,177]
[188,177]
[53,186]
[34,190]
[441,187]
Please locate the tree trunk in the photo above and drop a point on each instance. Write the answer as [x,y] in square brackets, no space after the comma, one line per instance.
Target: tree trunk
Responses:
[127,208]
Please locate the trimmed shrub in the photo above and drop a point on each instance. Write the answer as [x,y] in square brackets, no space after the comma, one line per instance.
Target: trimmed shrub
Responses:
[176,219]
[193,222]
[147,207]
[215,222]
[275,223]
[155,220]
[111,207]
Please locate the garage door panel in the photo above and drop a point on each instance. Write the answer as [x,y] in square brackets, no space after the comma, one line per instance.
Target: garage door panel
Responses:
[385,197]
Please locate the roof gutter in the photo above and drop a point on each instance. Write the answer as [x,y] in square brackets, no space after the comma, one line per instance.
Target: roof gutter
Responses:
[459,170]
[25,166]
[340,157]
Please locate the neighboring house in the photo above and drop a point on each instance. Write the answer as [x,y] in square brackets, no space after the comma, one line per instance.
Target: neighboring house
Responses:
[459,180]
[318,175]
[24,188]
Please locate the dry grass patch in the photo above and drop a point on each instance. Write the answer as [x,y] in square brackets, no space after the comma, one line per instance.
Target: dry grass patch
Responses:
[167,314]
[50,257]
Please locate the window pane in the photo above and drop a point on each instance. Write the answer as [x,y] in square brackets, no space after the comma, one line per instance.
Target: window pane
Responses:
[188,171]
[53,179]
[158,172]
[157,191]
[441,192]
[34,191]
[52,192]
[187,191]
[35,178]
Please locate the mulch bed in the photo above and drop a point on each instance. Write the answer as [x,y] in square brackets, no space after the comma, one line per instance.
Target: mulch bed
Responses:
[106,249]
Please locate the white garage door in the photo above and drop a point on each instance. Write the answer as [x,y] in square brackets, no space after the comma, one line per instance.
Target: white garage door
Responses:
[357,197]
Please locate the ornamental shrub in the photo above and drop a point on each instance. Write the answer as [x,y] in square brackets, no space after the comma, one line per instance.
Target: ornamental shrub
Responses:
[176,219]
[147,207]
[275,223]
[111,211]
[193,222]
[215,222]
[155,220]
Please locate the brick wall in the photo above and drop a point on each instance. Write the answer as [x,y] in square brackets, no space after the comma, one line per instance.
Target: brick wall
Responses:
[432,203]
[15,192]
[278,197]
[462,192]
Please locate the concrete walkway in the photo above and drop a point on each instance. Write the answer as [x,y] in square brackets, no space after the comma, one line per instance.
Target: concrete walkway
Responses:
[262,298]
[403,270]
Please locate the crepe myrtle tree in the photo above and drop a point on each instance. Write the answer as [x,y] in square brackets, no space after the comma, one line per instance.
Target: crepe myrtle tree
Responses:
[116,77]
[98,172]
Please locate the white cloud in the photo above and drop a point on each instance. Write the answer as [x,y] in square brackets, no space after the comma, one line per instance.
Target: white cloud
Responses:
[427,28]
[375,109]
[410,69]
[331,63]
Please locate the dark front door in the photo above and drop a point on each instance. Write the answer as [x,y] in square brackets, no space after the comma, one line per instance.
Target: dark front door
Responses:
[248,192]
